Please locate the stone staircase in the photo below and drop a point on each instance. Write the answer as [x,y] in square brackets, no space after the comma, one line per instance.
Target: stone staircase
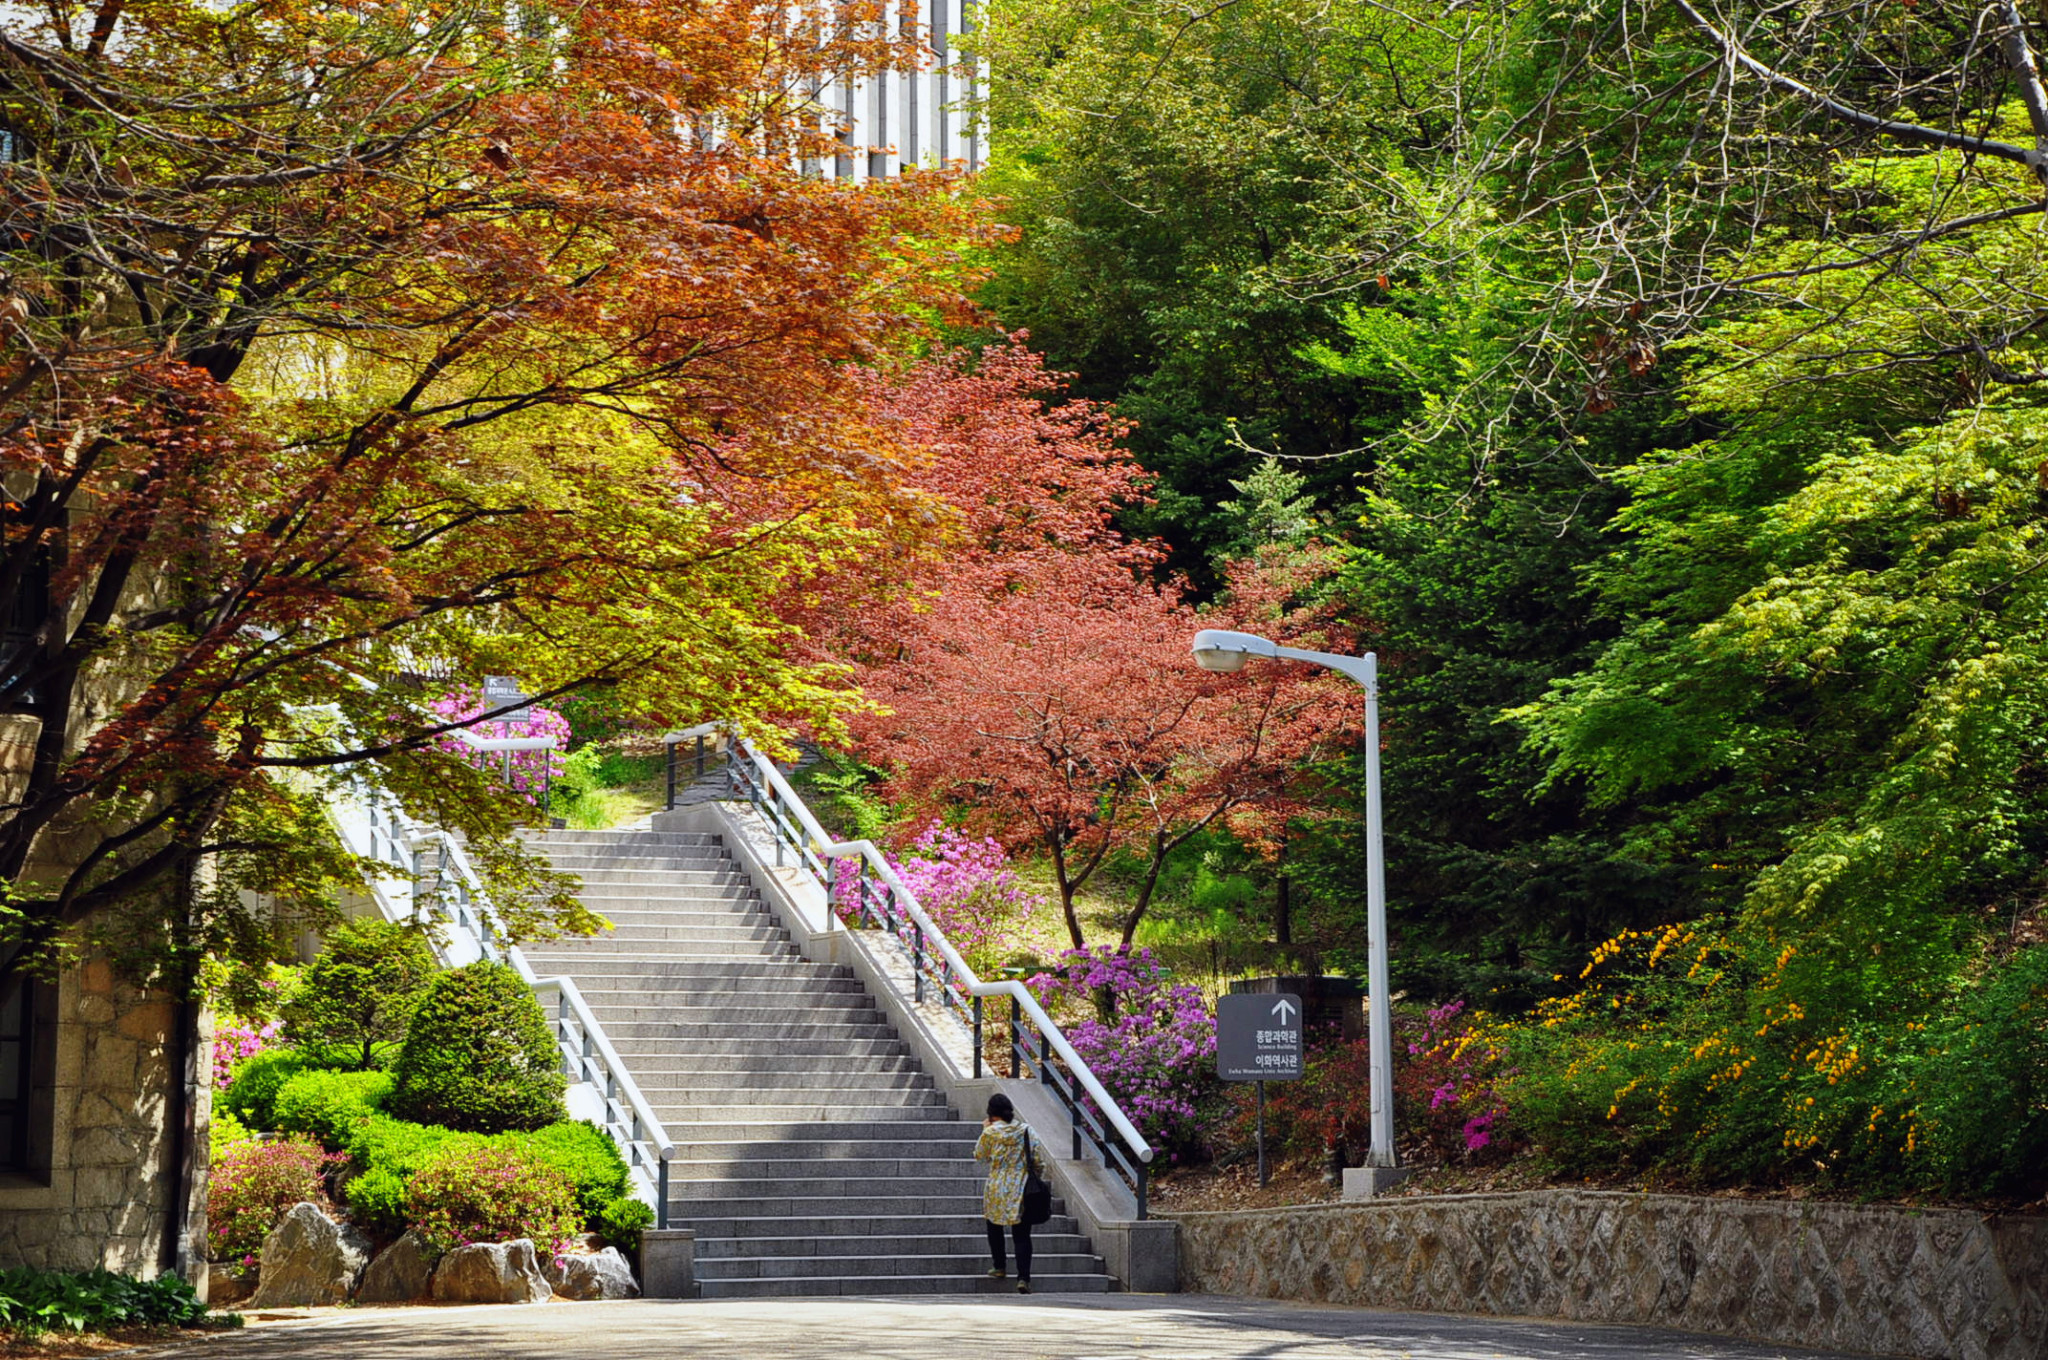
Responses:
[814,1155]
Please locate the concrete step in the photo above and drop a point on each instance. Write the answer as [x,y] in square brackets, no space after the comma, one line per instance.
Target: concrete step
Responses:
[869,1110]
[750,993]
[714,952]
[837,1286]
[695,1099]
[824,1152]
[682,935]
[711,973]
[635,1049]
[1044,1245]
[737,1234]
[849,1262]
[827,1008]
[680,894]
[758,1130]
[684,1032]
[768,1166]
[683,1088]
[767,1190]
[715,1066]
[962,1207]
[623,842]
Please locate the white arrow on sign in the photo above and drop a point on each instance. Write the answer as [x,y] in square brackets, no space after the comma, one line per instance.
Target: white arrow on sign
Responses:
[1284,1009]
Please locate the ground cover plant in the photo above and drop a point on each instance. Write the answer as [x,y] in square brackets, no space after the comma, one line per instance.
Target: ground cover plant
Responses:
[33,1302]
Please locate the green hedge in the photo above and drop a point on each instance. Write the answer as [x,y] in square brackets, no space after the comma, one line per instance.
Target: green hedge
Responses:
[388,1154]
[329,1105]
[252,1092]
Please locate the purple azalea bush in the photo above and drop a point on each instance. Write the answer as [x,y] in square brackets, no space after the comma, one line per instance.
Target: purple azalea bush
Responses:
[531,770]
[1156,1056]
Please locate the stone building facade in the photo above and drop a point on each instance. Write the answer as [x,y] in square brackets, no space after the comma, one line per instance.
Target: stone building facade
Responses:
[95,1176]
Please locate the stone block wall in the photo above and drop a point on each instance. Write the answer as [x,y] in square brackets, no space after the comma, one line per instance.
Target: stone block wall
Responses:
[1934,1283]
[110,1185]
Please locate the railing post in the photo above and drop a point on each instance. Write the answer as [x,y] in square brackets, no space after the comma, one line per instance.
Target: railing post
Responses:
[1016,1025]
[671,803]
[700,757]
[977,1038]
[916,962]
[1144,1176]
[661,1196]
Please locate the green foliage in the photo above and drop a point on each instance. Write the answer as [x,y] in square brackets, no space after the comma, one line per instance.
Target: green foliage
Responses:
[329,1105]
[251,1094]
[584,1155]
[1174,177]
[390,1154]
[479,1055]
[33,1302]
[360,992]
[378,1199]
[485,1193]
[622,1222]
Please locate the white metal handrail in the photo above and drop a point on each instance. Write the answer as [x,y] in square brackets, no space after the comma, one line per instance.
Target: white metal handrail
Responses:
[817,847]
[586,1051]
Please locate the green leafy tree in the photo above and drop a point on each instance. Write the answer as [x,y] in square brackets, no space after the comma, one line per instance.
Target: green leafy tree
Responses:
[361,991]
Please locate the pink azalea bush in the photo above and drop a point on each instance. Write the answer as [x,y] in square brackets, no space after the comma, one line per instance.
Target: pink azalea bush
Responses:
[492,1194]
[532,771]
[1157,1056]
[235,1039]
[964,883]
[250,1187]
[967,887]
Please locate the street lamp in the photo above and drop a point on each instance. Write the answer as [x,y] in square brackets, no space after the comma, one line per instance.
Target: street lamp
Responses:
[1219,649]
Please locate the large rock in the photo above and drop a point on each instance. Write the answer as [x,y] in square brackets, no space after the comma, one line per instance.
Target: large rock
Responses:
[401,1271]
[309,1259]
[492,1272]
[597,1275]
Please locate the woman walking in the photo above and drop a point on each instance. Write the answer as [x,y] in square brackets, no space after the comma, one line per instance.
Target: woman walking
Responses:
[1005,1144]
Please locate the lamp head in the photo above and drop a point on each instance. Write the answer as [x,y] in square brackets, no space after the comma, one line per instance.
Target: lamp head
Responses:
[1219,649]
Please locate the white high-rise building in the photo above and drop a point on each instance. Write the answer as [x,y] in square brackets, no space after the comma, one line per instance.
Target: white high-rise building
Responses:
[906,120]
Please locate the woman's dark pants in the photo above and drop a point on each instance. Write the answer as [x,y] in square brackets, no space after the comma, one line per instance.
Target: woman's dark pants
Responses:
[1021,1234]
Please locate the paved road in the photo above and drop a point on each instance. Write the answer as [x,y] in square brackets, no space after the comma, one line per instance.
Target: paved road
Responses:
[1113,1327]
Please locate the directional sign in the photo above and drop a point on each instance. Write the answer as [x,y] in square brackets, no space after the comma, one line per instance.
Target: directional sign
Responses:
[500,690]
[1258,1037]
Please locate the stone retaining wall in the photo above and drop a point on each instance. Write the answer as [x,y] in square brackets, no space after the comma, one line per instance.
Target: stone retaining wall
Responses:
[1937,1283]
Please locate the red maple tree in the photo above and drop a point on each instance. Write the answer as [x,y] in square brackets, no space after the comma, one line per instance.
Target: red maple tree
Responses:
[1039,677]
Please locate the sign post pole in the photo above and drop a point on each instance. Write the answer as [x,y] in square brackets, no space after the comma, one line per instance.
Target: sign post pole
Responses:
[1262,1134]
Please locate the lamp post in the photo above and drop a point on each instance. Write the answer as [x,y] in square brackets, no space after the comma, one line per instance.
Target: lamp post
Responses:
[1219,649]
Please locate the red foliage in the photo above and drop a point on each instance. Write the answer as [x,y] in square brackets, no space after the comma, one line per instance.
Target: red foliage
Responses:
[1038,676]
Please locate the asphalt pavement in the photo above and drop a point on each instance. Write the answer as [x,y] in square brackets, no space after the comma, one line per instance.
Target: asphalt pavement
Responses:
[1099,1327]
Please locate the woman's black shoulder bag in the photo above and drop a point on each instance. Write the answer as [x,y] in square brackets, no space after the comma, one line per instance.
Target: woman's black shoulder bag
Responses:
[1037,1206]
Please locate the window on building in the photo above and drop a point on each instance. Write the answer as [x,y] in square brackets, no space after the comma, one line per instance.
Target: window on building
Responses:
[17,1074]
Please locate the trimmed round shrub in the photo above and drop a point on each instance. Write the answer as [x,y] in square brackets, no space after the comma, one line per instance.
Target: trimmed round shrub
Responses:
[492,1194]
[329,1105]
[479,1056]
[253,1089]
[360,993]
[251,1186]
